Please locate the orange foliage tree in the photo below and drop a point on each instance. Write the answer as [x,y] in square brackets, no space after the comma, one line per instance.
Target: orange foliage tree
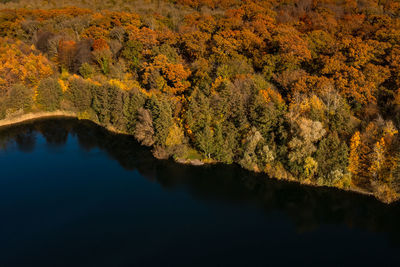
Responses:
[173,77]
[21,63]
[66,53]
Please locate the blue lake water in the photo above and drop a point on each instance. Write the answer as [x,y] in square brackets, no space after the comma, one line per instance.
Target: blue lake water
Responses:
[73,194]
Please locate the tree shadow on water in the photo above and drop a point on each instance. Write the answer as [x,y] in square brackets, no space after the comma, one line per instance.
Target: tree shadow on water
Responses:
[308,207]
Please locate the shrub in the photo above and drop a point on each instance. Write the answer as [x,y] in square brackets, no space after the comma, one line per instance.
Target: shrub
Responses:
[86,70]
[104,59]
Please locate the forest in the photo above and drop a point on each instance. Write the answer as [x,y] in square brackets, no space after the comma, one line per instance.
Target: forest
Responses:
[301,90]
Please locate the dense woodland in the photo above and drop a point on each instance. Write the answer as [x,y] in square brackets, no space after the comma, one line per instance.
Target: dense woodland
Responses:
[299,89]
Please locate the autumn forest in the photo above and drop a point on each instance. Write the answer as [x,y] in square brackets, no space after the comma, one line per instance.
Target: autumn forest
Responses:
[301,90]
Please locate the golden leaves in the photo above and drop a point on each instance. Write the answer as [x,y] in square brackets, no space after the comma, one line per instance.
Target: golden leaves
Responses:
[354,153]
[173,76]
[15,66]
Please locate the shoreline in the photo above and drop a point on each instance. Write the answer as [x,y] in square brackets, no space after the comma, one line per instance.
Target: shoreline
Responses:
[30,117]
[33,116]
[36,116]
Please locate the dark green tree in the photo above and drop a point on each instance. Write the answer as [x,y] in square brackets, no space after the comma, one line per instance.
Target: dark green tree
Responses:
[331,155]
[49,94]
[132,52]
[19,97]
[79,93]
[100,103]
[161,111]
[135,101]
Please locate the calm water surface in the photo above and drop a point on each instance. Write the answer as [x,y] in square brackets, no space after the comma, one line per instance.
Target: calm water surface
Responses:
[72,194]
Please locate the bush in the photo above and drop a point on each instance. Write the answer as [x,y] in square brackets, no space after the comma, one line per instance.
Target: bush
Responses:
[104,59]
[86,70]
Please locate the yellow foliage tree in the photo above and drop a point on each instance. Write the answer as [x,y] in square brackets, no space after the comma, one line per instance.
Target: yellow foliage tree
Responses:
[378,158]
[173,76]
[354,158]
[175,136]
[21,63]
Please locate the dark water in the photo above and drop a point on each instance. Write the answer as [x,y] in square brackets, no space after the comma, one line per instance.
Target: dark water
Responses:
[72,194]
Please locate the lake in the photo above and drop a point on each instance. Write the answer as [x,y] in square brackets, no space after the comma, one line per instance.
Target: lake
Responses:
[73,194]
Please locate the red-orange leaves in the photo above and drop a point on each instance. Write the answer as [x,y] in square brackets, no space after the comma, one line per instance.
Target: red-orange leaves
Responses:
[144,35]
[95,32]
[66,53]
[165,76]
[357,51]
[291,43]
[226,44]
[309,85]
[194,43]
[100,44]
[204,23]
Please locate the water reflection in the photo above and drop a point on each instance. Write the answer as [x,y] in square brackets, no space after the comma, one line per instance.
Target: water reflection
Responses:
[307,207]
